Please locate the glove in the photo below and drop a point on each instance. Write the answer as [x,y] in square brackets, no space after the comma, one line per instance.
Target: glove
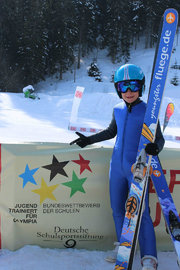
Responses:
[152,149]
[82,141]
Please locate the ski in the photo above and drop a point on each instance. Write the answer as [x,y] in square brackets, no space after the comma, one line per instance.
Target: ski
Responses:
[135,201]
[167,204]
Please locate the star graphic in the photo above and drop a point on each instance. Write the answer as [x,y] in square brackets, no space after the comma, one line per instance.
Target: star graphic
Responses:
[76,184]
[45,192]
[84,164]
[56,167]
[27,176]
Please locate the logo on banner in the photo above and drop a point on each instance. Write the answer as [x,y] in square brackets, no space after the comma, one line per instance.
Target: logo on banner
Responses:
[156,173]
[78,94]
[46,191]
[170,17]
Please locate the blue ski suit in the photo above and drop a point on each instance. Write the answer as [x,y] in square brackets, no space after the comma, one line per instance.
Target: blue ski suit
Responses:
[127,125]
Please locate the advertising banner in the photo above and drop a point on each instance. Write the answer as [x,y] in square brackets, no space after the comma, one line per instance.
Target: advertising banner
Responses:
[57,196]
[54,195]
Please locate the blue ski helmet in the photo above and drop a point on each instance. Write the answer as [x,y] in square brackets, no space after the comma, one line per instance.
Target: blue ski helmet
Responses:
[129,72]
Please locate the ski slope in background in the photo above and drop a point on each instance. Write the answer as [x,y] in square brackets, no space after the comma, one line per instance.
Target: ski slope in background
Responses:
[47,118]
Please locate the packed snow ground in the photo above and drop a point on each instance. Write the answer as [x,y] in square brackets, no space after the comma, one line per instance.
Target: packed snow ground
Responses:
[46,120]
[33,257]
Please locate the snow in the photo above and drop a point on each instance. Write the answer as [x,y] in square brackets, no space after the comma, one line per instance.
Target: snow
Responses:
[29,87]
[47,119]
[34,257]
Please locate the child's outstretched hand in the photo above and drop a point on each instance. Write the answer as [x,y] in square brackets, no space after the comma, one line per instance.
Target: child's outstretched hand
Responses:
[152,149]
[82,141]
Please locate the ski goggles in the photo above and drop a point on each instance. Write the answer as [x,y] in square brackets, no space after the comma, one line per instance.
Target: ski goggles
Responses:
[123,86]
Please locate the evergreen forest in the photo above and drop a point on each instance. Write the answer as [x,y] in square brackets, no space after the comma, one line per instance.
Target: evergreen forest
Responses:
[39,38]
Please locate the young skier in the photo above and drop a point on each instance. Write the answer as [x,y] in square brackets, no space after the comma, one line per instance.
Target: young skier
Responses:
[127,124]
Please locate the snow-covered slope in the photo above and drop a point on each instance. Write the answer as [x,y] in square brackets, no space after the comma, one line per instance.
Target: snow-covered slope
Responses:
[47,118]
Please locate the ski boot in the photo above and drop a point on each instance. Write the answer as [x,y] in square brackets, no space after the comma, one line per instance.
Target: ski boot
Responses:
[112,256]
[174,225]
[149,263]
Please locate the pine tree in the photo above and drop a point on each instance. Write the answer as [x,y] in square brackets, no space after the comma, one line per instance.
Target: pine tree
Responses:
[113,32]
[31,41]
[45,37]
[10,75]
